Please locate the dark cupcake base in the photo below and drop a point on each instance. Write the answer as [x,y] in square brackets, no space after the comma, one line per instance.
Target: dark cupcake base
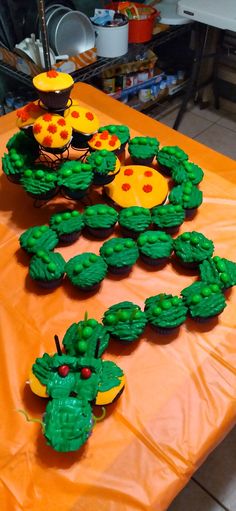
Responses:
[89,289]
[190,213]
[142,161]
[28,130]
[80,140]
[55,100]
[73,194]
[13,178]
[169,230]
[103,180]
[119,271]
[45,196]
[100,233]
[165,170]
[66,239]
[49,285]
[204,320]
[153,262]
[165,331]
[127,233]
[191,265]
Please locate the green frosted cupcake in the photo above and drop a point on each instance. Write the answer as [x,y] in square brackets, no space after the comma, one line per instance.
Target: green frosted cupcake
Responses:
[67,224]
[100,220]
[165,312]
[191,248]
[121,131]
[155,247]
[23,145]
[87,338]
[38,237]
[187,171]
[47,269]
[125,321]
[134,220]
[143,150]
[168,217]
[39,183]
[188,196]
[86,271]
[105,166]
[13,167]
[75,178]
[218,270]
[120,254]
[169,157]
[204,301]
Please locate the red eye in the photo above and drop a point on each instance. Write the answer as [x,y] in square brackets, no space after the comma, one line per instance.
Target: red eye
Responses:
[86,373]
[63,370]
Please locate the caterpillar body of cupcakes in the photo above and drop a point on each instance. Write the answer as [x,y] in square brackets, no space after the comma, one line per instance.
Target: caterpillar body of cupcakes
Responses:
[170,157]
[143,150]
[87,338]
[218,270]
[120,254]
[204,301]
[187,171]
[47,268]
[165,312]
[67,224]
[191,248]
[125,321]
[188,196]
[105,166]
[100,220]
[38,237]
[86,271]
[134,220]
[168,217]
[75,179]
[155,247]
[39,182]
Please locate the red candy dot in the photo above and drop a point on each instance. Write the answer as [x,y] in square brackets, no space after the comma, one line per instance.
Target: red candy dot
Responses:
[47,117]
[126,187]
[148,173]
[52,128]
[52,73]
[104,135]
[89,116]
[86,373]
[63,370]
[23,114]
[98,144]
[61,122]
[37,128]
[47,141]
[75,114]
[128,172]
[112,143]
[114,137]
[64,134]
[147,188]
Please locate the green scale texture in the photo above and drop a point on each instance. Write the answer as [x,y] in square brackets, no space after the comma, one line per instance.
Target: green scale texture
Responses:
[203,300]
[83,338]
[23,145]
[143,147]
[191,247]
[135,218]
[75,175]
[187,171]
[102,162]
[100,216]
[86,270]
[165,311]
[66,222]
[155,244]
[38,180]
[13,166]
[187,195]
[218,270]
[168,216]
[120,130]
[171,156]
[125,321]
[119,252]
[46,266]
[38,237]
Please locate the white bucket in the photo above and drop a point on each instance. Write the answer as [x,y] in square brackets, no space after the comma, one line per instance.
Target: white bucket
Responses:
[111,41]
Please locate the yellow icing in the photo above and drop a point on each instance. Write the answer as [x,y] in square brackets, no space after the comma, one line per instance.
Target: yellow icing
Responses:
[105,398]
[105,143]
[28,114]
[37,387]
[136,196]
[44,83]
[82,123]
[48,122]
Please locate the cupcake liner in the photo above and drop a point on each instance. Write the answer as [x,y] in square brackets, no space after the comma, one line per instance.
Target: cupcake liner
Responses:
[153,262]
[14,178]
[119,271]
[70,237]
[89,289]
[190,213]
[55,100]
[44,196]
[200,319]
[128,233]
[100,180]
[80,140]
[74,194]
[100,233]
[191,265]
[142,161]
[170,230]
[165,331]
[165,170]
[52,284]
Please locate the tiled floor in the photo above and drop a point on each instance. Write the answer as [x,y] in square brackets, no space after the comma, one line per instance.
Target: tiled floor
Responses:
[213,486]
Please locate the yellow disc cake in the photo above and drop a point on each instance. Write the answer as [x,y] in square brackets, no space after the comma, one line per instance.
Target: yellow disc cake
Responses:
[82,120]
[27,115]
[104,140]
[52,131]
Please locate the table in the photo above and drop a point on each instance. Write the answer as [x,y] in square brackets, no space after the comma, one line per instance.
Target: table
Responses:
[180,397]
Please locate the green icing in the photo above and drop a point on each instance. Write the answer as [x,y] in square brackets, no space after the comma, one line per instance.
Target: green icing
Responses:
[125,321]
[170,156]
[86,270]
[169,215]
[85,337]
[102,162]
[143,147]
[188,195]
[14,167]
[110,376]
[100,216]
[155,244]
[135,218]
[187,171]
[119,252]
[193,247]
[75,175]
[218,270]
[203,300]
[66,222]
[38,237]
[46,266]
[37,180]
[165,311]
[25,146]
[120,130]
[68,423]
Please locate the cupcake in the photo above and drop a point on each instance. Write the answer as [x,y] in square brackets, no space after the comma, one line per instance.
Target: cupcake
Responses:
[204,301]
[121,131]
[218,270]
[165,312]
[100,220]
[52,132]
[125,321]
[169,157]
[120,254]
[105,165]
[188,196]
[68,225]
[53,88]
[22,145]
[155,247]
[13,166]
[75,178]
[87,338]
[84,124]
[47,268]
[187,171]
[39,183]
[104,140]
[27,116]
[134,220]
[86,271]
[169,218]
[38,237]
[143,150]
[191,248]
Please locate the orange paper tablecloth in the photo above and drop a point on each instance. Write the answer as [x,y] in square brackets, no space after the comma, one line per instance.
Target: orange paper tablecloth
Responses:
[179,401]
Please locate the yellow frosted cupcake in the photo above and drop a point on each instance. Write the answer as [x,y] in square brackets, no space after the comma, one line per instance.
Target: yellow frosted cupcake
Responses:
[53,88]
[104,140]
[84,124]
[27,115]
[52,132]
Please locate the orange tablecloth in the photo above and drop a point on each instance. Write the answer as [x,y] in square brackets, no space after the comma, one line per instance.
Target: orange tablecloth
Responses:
[179,401]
